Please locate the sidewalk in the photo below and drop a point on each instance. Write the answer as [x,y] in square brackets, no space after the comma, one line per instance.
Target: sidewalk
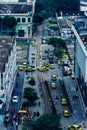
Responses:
[37,107]
[78,113]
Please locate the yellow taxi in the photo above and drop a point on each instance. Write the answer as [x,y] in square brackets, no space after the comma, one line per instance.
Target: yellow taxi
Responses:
[33,43]
[59,62]
[63,101]
[42,69]
[74,127]
[46,64]
[53,85]
[52,66]
[54,77]
[21,67]
[22,111]
[30,69]
[66,113]
[64,56]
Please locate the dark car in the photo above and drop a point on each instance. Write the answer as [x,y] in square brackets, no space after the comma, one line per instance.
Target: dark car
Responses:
[51,60]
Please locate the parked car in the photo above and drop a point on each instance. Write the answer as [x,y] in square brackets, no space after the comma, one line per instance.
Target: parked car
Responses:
[21,67]
[15,99]
[52,66]
[43,68]
[46,64]
[51,60]
[30,69]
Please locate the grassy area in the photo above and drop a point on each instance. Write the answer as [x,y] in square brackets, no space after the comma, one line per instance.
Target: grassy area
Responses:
[22,43]
[52,22]
[54,28]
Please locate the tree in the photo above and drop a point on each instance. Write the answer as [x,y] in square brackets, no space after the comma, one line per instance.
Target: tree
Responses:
[38,18]
[39,7]
[58,53]
[30,94]
[32,81]
[46,122]
[9,21]
[57,42]
[56,6]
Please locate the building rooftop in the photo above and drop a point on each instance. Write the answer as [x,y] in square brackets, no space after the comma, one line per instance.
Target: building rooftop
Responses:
[73,13]
[19,8]
[5,49]
[63,23]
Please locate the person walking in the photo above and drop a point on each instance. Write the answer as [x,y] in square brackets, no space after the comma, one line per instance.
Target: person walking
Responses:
[39,103]
[16,125]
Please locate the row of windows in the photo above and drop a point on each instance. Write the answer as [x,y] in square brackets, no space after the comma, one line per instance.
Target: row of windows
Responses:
[23,20]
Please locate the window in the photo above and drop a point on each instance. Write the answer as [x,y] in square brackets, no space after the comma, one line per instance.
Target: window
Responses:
[21,33]
[23,19]
[28,19]
[2,81]
[18,19]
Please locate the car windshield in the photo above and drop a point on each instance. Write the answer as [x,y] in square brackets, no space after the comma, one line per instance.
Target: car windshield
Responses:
[14,97]
[78,127]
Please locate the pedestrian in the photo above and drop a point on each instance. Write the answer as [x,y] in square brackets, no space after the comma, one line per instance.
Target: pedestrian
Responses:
[38,114]
[73,98]
[16,125]
[77,88]
[22,119]
[6,122]
[39,103]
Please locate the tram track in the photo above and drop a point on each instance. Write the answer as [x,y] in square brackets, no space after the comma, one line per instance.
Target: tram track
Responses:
[45,93]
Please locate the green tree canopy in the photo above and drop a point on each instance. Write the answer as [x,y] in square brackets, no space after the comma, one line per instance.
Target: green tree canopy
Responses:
[56,6]
[38,18]
[32,81]
[58,53]
[9,21]
[57,42]
[46,122]
[30,94]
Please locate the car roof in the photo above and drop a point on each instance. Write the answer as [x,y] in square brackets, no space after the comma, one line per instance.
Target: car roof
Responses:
[52,83]
[65,110]
[63,98]
[53,75]
[15,96]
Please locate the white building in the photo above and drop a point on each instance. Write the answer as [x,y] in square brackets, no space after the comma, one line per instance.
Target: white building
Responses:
[7,69]
[65,30]
[83,6]
[23,12]
[81,62]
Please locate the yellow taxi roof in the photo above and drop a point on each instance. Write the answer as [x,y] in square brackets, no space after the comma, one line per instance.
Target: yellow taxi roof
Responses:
[22,111]
[66,111]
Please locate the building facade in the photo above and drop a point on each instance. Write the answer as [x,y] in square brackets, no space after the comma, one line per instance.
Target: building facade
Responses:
[23,13]
[83,6]
[7,70]
[81,62]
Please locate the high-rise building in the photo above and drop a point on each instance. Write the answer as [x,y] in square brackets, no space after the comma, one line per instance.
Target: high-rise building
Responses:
[83,5]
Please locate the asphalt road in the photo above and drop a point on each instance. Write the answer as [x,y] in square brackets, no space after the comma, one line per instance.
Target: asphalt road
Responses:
[18,88]
[47,76]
